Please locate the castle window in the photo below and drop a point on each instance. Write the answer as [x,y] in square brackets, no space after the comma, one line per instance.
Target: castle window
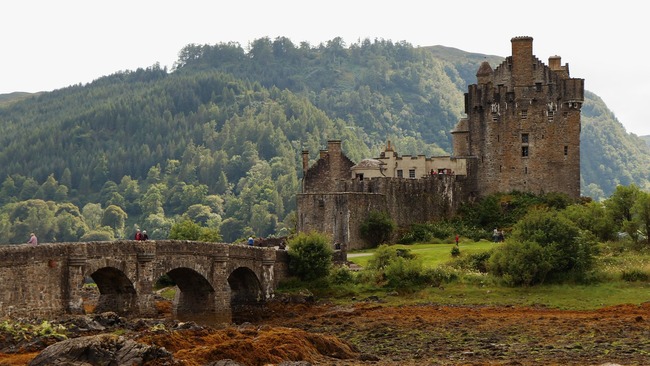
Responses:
[400,173]
[566,150]
[321,203]
[495,117]
[524,138]
[524,151]
[411,173]
[538,87]
[360,176]
[525,170]
[551,114]
[524,114]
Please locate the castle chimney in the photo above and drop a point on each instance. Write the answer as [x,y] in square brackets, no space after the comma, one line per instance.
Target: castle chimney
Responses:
[555,63]
[305,161]
[322,154]
[522,61]
[334,147]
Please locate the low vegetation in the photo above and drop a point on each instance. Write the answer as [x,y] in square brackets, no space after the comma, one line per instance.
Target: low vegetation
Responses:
[556,253]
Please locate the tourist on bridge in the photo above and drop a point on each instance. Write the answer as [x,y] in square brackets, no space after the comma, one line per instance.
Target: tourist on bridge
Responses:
[138,235]
[32,239]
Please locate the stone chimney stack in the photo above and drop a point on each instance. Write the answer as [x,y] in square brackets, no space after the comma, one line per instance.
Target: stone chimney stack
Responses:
[305,161]
[522,61]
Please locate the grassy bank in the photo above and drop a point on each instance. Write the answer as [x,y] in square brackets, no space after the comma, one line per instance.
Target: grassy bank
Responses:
[611,285]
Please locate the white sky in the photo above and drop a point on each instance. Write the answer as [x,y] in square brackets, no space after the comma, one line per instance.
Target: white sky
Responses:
[47,45]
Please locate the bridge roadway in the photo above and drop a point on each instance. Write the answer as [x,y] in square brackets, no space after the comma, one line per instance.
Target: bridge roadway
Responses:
[47,280]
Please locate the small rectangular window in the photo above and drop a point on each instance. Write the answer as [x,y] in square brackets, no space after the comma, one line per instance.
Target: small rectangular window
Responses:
[566,150]
[524,151]
[524,138]
[400,174]
[411,173]
[538,87]
[524,114]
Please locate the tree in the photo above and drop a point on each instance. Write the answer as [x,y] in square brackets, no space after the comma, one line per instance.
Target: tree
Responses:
[377,228]
[620,203]
[115,218]
[310,255]
[186,229]
[641,213]
[92,213]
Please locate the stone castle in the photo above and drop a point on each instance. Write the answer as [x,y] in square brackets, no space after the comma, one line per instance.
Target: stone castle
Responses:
[521,133]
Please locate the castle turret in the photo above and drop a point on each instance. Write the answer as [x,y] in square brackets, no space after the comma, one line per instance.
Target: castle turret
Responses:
[484,73]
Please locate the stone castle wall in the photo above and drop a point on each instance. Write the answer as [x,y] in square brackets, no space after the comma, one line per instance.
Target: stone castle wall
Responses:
[407,201]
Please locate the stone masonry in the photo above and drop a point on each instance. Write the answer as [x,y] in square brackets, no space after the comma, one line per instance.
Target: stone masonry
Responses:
[46,280]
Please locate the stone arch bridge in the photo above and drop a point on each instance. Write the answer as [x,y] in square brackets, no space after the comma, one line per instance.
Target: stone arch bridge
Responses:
[47,280]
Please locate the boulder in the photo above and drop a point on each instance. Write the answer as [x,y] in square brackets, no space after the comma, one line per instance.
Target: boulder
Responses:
[104,349]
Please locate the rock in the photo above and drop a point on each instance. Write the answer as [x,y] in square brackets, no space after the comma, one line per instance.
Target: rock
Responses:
[105,349]
[224,363]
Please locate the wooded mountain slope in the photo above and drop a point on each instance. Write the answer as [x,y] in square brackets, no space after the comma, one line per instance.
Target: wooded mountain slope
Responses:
[230,123]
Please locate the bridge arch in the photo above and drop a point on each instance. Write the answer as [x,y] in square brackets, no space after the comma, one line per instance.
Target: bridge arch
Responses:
[116,291]
[195,296]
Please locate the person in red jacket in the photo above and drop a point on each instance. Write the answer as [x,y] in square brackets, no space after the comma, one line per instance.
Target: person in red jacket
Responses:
[138,235]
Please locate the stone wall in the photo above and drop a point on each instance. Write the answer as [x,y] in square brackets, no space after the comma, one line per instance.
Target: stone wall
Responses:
[407,201]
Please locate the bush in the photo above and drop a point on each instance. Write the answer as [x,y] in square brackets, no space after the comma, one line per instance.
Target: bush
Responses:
[477,262]
[341,275]
[386,254]
[310,255]
[455,251]
[544,244]
[377,228]
[520,264]
[635,275]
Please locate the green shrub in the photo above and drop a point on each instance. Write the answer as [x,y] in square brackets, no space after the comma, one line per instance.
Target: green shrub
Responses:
[635,275]
[403,272]
[520,264]
[310,255]
[544,245]
[477,262]
[386,254]
[417,233]
[377,228]
[455,251]
[341,275]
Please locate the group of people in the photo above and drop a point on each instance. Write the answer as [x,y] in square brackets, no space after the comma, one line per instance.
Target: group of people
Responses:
[141,235]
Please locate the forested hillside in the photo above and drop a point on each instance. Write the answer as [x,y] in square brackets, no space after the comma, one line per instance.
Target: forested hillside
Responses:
[217,140]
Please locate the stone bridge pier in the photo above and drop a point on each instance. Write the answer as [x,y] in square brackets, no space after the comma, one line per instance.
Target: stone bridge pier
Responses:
[212,280]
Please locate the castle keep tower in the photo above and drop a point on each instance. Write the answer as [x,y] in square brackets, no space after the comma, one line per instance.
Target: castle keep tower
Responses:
[523,125]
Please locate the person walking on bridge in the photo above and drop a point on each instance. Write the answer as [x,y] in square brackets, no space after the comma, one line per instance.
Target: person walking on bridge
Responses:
[32,239]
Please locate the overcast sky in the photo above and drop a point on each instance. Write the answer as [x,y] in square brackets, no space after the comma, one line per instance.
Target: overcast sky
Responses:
[47,45]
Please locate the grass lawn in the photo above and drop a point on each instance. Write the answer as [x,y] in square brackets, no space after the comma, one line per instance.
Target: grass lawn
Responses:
[432,254]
